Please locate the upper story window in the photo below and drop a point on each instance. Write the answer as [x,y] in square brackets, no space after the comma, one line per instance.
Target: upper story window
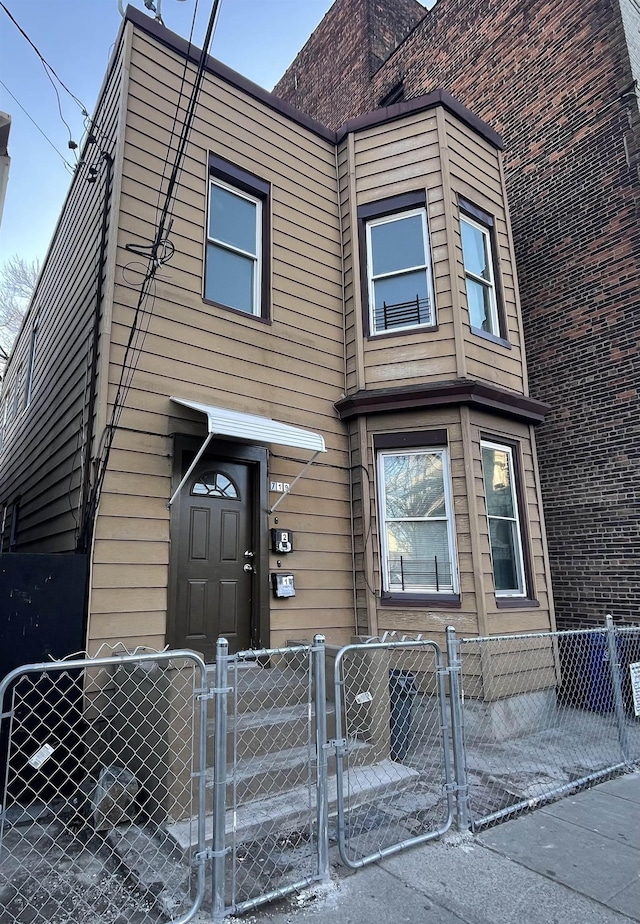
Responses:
[476,230]
[399,283]
[505,526]
[416,522]
[236,274]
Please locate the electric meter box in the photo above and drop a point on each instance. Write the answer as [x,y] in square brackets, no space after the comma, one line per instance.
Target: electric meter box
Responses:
[283,585]
[281,541]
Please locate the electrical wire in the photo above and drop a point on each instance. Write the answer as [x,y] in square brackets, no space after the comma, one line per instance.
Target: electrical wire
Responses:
[137,333]
[177,109]
[46,137]
[45,63]
[159,252]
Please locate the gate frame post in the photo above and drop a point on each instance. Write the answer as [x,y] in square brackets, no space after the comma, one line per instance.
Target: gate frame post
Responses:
[220,692]
[616,682]
[454,662]
[322,804]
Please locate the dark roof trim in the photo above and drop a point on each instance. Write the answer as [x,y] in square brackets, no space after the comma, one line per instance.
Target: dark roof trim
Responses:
[174,42]
[461,391]
[378,117]
[421,104]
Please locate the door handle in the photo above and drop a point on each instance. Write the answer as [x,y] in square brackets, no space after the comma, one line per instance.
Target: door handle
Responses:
[247,567]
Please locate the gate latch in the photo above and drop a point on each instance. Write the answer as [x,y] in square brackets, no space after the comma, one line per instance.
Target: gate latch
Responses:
[339,745]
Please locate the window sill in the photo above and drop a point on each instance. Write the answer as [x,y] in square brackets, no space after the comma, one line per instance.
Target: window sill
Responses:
[499,341]
[380,335]
[436,601]
[515,603]
[236,311]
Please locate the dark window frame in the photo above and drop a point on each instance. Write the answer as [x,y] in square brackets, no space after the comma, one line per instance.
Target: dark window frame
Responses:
[385,208]
[243,181]
[414,439]
[15,519]
[477,214]
[527,600]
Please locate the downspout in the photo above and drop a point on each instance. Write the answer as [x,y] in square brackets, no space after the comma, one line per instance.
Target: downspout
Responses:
[86,520]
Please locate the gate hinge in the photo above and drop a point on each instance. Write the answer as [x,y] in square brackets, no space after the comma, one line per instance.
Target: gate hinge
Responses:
[212,692]
[339,745]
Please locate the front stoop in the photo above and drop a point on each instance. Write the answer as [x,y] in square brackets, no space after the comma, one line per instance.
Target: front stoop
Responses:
[291,808]
[270,781]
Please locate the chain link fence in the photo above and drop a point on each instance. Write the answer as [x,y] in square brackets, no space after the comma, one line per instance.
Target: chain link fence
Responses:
[101,757]
[150,788]
[394,782]
[545,714]
[269,724]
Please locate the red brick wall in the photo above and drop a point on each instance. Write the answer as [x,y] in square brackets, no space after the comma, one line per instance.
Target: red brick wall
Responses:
[333,70]
[550,75]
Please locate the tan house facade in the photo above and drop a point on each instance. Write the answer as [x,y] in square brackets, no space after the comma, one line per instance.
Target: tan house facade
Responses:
[314,415]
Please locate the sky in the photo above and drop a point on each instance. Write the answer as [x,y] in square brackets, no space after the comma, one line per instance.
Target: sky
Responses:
[258,38]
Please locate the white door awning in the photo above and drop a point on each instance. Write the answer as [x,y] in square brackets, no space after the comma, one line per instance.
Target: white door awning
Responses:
[263,430]
[254,429]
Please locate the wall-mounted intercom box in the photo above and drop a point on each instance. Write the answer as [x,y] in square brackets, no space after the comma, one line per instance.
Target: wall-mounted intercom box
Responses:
[283,585]
[281,541]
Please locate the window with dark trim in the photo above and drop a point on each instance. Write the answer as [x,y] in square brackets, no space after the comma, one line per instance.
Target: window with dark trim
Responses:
[397,284]
[505,503]
[479,250]
[237,250]
[417,536]
[15,516]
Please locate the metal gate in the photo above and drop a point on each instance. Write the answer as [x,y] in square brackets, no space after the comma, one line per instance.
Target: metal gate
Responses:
[266,779]
[104,788]
[394,781]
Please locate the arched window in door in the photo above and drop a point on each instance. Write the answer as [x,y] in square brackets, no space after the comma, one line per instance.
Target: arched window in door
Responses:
[215,484]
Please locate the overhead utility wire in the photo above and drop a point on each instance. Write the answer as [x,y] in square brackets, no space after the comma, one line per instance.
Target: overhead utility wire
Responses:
[155,260]
[156,255]
[177,109]
[45,63]
[46,137]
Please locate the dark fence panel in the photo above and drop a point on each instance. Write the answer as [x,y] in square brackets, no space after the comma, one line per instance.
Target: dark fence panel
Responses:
[42,614]
[42,607]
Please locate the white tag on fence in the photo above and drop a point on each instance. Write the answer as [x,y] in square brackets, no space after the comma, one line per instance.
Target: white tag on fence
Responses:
[44,753]
[634,670]
[362,698]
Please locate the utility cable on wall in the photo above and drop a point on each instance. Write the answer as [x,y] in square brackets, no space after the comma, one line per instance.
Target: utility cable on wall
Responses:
[158,253]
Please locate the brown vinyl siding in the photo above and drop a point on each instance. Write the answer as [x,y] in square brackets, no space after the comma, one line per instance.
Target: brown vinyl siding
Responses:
[528,618]
[475,175]
[478,612]
[291,369]
[391,616]
[390,160]
[64,308]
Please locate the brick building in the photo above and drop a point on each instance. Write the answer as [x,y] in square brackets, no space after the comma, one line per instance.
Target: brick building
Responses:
[559,81]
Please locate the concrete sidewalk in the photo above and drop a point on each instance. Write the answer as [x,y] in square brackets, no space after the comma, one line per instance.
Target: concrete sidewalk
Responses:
[576,861]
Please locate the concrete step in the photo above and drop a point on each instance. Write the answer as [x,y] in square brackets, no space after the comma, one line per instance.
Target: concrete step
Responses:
[257,687]
[256,777]
[267,730]
[288,810]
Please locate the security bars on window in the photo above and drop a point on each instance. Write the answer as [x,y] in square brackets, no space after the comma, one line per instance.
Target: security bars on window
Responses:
[399,273]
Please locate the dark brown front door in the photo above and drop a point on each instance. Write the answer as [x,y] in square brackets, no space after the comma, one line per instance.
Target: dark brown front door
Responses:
[215,558]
